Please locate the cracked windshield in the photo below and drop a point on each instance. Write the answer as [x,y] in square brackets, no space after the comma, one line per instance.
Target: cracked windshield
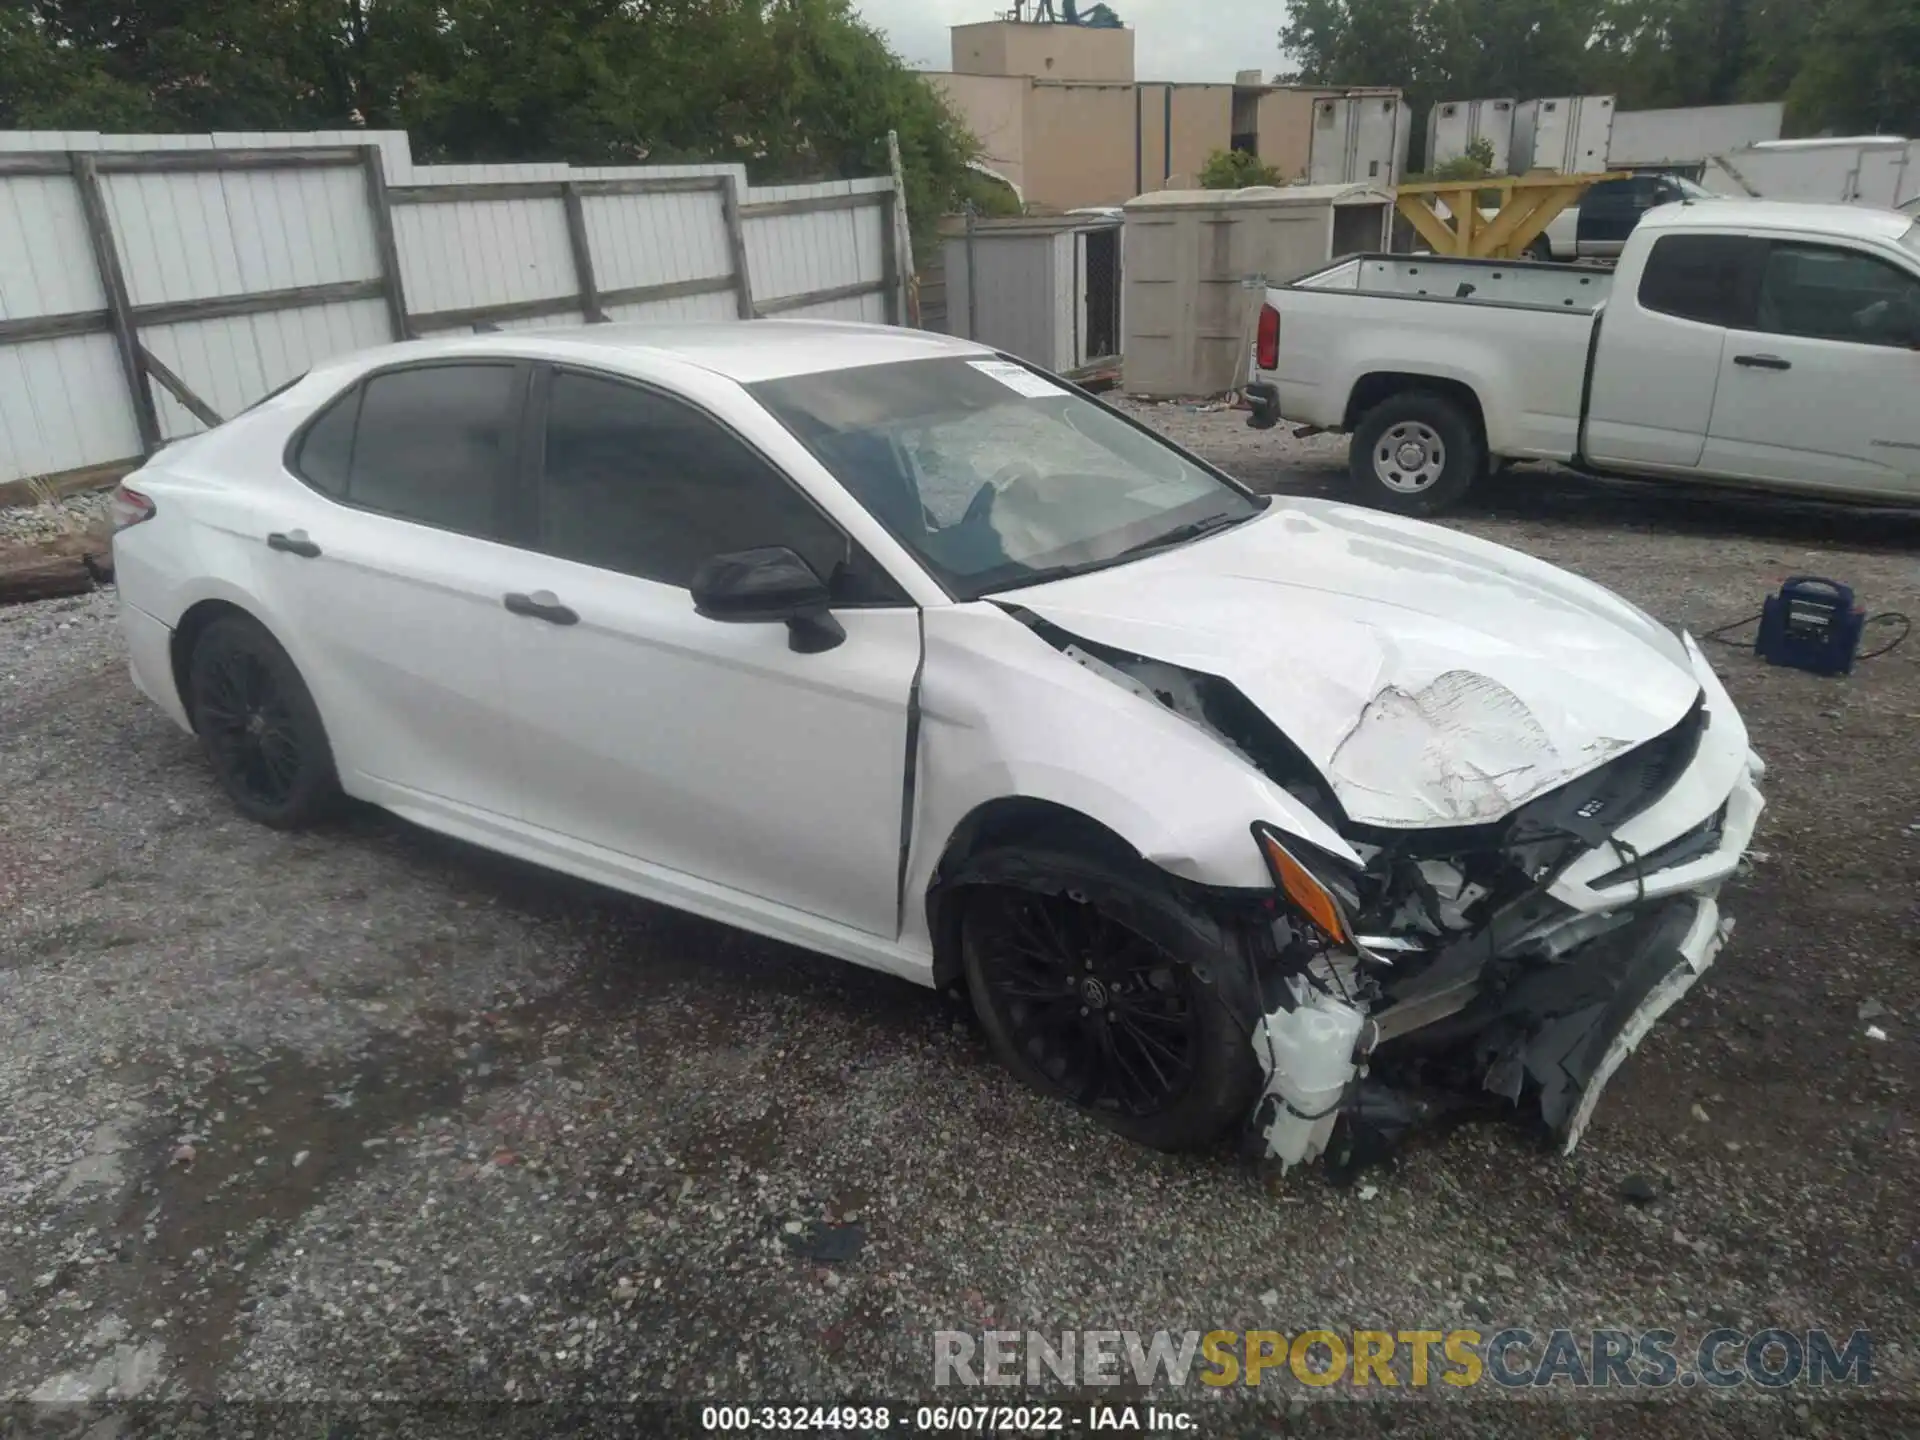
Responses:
[996,477]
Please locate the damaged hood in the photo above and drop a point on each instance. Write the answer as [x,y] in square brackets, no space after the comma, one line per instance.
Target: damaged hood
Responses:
[1432,678]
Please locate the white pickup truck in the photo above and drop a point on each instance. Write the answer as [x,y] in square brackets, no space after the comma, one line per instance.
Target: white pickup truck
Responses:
[1741,342]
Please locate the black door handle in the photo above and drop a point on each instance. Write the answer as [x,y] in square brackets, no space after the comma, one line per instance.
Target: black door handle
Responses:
[1763,362]
[294,543]
[541,605]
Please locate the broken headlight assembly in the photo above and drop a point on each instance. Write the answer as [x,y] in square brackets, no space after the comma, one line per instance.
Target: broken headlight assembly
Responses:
[1327,902]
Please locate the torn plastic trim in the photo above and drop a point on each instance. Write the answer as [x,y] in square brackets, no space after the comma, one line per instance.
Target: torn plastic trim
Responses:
[1701,946]
[1547,1039]
[1554,1034]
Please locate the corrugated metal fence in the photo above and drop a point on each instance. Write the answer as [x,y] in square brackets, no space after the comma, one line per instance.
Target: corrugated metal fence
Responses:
[151,285]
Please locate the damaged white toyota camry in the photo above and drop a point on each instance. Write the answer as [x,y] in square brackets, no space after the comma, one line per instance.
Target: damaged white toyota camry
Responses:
[1227,812]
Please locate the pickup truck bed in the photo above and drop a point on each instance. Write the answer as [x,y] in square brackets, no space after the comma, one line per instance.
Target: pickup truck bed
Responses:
[1739,342]
[1501,282]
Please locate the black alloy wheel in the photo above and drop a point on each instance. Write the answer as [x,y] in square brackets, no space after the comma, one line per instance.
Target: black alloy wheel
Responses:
[258,725]
[1108,1018]
[1083,1007]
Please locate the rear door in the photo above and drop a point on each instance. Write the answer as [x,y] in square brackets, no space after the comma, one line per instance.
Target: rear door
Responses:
[386,568]
[712,750]
[1657,363]
[1819,389]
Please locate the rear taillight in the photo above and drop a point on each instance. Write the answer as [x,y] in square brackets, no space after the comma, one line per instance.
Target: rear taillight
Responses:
[128,507]
[1267,350]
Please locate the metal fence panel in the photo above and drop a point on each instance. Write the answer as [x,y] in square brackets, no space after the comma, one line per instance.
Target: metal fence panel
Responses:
[63,406]
[241,274]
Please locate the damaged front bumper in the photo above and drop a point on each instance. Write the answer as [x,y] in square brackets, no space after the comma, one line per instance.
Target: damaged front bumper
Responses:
[1549,1042]
[1533,1014]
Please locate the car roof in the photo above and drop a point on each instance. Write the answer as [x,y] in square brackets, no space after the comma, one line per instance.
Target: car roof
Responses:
[746,351]
[1857,222]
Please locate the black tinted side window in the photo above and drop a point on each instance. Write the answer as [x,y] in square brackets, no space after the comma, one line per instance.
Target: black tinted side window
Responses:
[1701,277]
[434,444]
[646,485]
[1826,293]
[326,451]
[1609,197]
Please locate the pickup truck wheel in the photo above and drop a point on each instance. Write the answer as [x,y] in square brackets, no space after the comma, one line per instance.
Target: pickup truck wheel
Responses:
[1416,453]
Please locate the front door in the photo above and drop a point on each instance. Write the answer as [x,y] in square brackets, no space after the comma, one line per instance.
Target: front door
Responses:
[713,750]
[385,569]
[1820,393]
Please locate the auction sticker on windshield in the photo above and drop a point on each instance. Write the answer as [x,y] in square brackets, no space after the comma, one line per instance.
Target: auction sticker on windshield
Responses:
[1018,379]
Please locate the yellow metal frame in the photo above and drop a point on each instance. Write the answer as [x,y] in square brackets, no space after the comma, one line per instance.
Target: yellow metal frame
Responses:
[1528,204]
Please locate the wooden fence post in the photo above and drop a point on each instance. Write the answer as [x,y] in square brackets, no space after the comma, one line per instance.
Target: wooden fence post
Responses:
[113,281]
[737,244]
[393,290]
[902,237]
[582,253]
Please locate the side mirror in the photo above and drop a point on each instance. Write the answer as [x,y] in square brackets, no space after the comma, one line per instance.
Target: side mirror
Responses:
[759,587]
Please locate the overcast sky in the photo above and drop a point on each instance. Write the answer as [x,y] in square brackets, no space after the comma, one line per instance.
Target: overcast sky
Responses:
[1173,41]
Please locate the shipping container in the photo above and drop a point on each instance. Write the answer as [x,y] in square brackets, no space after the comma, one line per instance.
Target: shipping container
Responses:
[1453,125]
[1359,138]
[1683,139]
[1570,134]
[1854,170]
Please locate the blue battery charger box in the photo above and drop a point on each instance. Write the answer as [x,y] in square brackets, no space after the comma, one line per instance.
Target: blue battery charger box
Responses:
[1811,624]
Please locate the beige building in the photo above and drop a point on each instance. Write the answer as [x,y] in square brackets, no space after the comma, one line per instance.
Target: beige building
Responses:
[1043,52]
[1060,116]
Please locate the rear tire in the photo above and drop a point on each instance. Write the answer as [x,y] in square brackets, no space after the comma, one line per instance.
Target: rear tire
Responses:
[1416,453]
[1540,251]
[1083,1007]
[259,727]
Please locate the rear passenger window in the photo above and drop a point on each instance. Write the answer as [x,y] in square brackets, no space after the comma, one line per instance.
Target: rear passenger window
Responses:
[1709,278]
[327,449]
[432,444]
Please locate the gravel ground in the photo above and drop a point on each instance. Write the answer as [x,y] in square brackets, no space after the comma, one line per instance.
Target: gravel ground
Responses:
[366,1113]
[72,515]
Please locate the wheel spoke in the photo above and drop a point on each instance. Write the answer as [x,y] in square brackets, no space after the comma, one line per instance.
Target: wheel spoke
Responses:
[1143,1087]
[282,762]
[1150,1042]
[1103,1015]
[1021,989]
[1159,1075]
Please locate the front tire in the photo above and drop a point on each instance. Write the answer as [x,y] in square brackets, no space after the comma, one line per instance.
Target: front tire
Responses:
[1416,453]
[259,727]
[1083,1007]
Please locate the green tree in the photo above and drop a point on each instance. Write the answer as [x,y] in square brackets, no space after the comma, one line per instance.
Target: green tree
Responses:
[797,89]
[46,85]
[1237,170]
[1845,64]
[1860,70]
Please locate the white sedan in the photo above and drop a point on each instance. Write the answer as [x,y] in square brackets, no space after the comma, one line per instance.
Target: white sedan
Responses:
[1228,812]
